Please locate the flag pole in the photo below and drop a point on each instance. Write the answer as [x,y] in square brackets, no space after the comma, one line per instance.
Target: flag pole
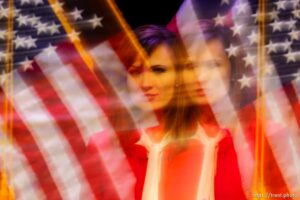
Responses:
[68,28]
[259,186]
[6,191]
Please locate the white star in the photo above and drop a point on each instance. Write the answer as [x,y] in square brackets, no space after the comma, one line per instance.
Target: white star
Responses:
[16,12]
[37,2]
[20,42]
[253,37]
[23,20]
[280,4]
[297,76]
[294,35]
[23,2]
[33,20]
[41,28]
[285,45]
[236,29]
[257,16]
[232,50]
[74,36]
[249,60]
[225,2]
[273,14]
[76,14]
[49,50]
[2,34]
[296,13]
[3,12]
[96,21]
[291,24]
[3,56]
[271,47]
[27,64]
[54,28]
[276,25]
[30,42]
[290,57]
[242,8]
[269,68]
[244,81]
[57,6]
[294,3]
[219,20]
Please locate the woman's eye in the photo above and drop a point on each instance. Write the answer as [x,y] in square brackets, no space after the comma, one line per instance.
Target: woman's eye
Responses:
[135,72]
[190,66]
[212,64]
[159,69]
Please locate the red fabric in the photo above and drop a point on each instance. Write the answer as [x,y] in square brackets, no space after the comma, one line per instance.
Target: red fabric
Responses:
[226,172]
[228,179]
[97,174]
[273,177]
[30,149]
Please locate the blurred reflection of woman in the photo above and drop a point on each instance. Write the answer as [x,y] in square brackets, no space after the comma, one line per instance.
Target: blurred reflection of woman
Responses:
[211,82]
[210,78]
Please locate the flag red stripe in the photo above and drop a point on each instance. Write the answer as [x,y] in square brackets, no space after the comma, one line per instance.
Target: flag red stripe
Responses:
[31,151]
[98,86]
[67,124]
[295,103]
[98,174]
[100,89]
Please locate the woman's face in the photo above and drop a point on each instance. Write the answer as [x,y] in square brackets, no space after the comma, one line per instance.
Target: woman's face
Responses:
[156,79]
[207,79]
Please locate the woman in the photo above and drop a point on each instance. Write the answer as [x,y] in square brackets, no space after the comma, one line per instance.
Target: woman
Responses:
[179,157]
[159,79]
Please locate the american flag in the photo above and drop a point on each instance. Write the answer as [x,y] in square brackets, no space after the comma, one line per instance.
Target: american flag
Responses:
[52,103]
[270,43]
[60,93]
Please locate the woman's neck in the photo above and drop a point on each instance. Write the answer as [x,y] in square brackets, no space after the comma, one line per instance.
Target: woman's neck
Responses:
[207,116]
[157,132]
[208,121]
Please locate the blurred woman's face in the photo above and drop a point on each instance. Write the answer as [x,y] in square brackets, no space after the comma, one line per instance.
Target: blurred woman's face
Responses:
[207,79]
[156,79]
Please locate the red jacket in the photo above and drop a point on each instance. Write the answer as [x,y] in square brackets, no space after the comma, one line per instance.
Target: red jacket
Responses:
[227,179]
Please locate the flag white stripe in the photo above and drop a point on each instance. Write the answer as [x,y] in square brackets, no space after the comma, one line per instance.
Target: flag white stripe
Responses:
[113,157]
[23,179]
[48,137]
[285,145]
[244,158]
[296,85]
[117,166]
[20,174]
[73,93]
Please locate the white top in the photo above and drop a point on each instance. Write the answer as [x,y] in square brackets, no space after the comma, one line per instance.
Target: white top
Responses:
[206,180]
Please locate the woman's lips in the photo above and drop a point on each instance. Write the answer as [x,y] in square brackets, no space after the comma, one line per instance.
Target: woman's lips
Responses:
[150,97]
[200,92]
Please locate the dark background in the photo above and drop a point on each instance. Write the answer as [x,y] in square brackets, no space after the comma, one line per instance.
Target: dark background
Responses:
[141,12]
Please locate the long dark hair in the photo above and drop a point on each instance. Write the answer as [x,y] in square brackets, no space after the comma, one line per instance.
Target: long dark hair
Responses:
[178,115]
